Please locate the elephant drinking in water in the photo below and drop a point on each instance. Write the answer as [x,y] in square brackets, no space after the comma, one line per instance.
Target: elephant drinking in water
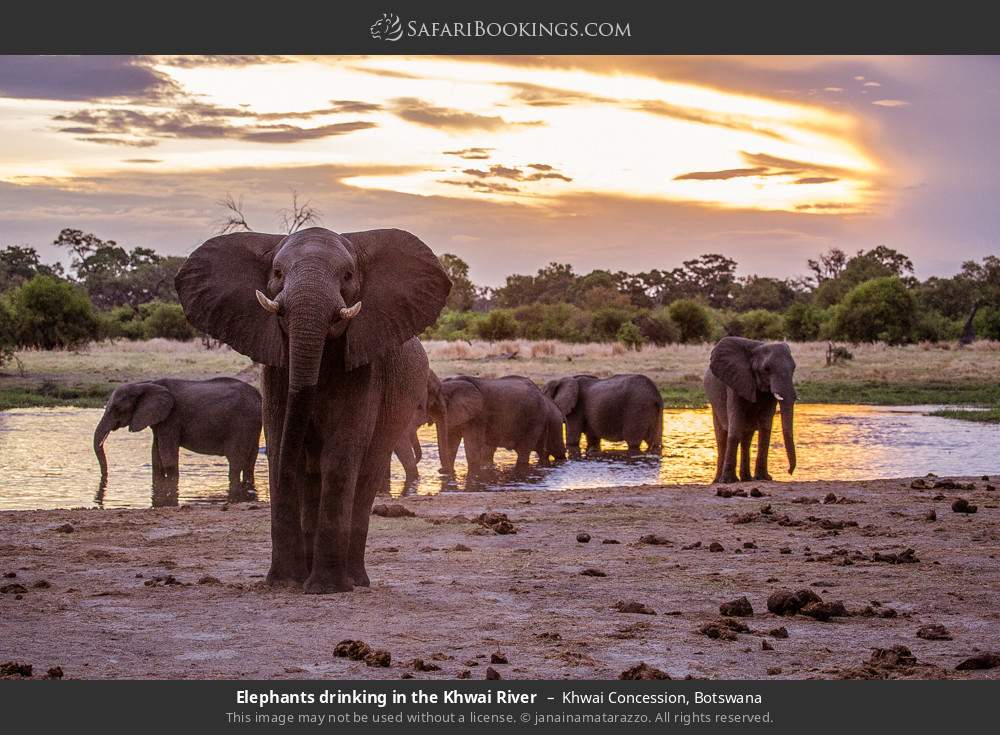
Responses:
[745,382]
[332,318]
[221,416]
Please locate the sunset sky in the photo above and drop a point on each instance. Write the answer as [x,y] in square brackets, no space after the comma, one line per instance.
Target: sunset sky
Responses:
[627,163]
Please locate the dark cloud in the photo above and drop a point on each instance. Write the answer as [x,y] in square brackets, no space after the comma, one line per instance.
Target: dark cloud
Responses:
[191,120]
[516,174]
[336,107]
[763,159]
[420,112]
[79,78]
[816,180]
[142,160]
[236,60]
[484,186]
[729,173]
[471,154]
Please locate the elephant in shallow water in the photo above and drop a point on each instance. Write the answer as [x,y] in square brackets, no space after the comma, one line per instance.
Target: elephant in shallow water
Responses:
[332,318]
[509,412]
[221,416]
[745,382]
[624,407]
[408,450]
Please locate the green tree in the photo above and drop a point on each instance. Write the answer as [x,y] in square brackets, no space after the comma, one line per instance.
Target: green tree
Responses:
[657,327]
[51,314]
[761,324]
[497,325]
[763,292]
[803,322]
[166,321]
[630,336]
[692,319]
[19,264]
[463,292]
[880,310]
[606,322]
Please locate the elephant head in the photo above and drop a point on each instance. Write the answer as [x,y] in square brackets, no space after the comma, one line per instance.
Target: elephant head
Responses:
[458,401]
[753,370]
[135,405]
[564,392]
[283,300]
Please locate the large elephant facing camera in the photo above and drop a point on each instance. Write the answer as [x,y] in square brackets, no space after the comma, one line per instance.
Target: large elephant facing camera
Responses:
[220,416]
[745,382]
[332,318]
[625,407]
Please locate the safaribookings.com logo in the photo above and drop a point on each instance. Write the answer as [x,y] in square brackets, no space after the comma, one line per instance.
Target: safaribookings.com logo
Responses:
[390,28]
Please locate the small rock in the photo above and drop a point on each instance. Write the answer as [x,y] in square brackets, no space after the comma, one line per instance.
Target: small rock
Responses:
[643,672]
[786,602]
[55,672]
[13,589]
[689,547]
[10,575]
[14,668]
[492,674]
[930,515]
[823,611]
[611,541]
[464,674]
[980,661]
[920,484]
[773,670]
[583,538]
[354,650]
[963,506]
[652,539]
[765,645]
[829,498]
[739,607]
[780,632]
[934,632]
[724,629]
[784,550]
[406,675]
[591,572]
[393,510]
[209,579]
[715,546]
[749,545]
[895,656]
[420,665]
[756,493]
[498,658]
[503,528]
[42,584]
[379,658]
[460,547]
[634,607]
[65,528]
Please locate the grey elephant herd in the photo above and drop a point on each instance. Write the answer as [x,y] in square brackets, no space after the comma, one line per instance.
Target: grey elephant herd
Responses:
[332,319]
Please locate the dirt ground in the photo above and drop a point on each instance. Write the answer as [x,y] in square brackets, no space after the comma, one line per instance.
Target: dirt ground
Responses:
[177,593]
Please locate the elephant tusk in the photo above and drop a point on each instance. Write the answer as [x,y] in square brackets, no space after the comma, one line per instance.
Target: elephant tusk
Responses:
[778,396]
[269,305]
[350,312]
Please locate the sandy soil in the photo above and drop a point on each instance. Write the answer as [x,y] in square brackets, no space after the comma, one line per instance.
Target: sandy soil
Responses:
[453,593]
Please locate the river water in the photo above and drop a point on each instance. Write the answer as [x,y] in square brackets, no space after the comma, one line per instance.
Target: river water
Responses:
[47,460]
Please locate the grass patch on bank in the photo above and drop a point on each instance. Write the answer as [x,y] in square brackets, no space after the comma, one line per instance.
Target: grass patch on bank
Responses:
[47,395]
[986,416]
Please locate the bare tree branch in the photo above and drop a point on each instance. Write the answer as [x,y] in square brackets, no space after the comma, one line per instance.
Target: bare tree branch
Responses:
[298,215]
[235,219]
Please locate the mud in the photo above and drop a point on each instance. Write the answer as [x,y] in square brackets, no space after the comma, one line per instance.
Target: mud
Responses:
[450,591]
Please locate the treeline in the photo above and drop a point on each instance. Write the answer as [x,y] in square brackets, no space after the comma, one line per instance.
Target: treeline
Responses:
[110,292]
[871,296]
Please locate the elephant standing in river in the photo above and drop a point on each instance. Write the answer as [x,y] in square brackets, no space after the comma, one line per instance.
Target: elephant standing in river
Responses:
[509,412]
[625,408]
[332,318]
[221,416]
[408,450]
[745,382]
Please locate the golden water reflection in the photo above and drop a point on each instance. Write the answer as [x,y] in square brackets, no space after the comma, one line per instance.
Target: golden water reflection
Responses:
[47,461]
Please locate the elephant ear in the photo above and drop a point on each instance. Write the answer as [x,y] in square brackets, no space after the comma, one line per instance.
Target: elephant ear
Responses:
[464,401]
[403,290]
[217,286]
[567,393]
[730,362]
[152,406]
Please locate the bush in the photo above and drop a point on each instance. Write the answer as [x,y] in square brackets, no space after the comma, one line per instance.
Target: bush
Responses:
[692,319]
[7,342]
[761,324]
[657,327]
[879,310]
[804,322]
[932,326]
[630,336]
[987,323]
[453,325]
[497,325]
[605,323]
[166,321]
[561,321]
[51,314]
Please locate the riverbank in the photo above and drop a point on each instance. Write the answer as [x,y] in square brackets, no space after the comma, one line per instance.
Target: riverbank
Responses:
[177,593]
[878,375]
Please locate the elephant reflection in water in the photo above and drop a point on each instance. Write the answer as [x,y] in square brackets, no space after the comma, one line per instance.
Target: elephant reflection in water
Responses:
[221,416]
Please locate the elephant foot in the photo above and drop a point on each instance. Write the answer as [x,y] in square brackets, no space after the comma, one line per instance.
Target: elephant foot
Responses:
[323,584]
[285,575]
[360,578]
[728,478]
[763,477]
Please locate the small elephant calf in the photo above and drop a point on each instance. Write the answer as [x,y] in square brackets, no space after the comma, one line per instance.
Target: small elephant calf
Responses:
[221,416]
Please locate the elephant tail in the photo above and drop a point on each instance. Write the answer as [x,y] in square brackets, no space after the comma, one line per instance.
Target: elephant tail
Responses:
[655,440]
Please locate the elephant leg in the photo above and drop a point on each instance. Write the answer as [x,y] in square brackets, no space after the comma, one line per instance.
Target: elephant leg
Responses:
[235,486]
[450,451]
[573,431]
[310,491]
[368,486]
[763,446]
[331,536]
[418,451]
[404,453]
[733,437]
[745,443]
[721,439]
[593,442]
[654,441]
[249,464]
[475,451]
[634,447]
[523,459]
[167,447]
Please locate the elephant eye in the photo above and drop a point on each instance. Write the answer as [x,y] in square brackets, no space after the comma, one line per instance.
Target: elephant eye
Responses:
[348,276]
[277,273]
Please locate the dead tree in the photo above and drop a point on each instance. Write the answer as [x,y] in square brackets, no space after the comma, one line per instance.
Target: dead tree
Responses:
[969,330]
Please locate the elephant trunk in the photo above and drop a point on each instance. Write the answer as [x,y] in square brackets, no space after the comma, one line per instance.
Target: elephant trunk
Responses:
[100,435]
[787,413]
[444,454]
